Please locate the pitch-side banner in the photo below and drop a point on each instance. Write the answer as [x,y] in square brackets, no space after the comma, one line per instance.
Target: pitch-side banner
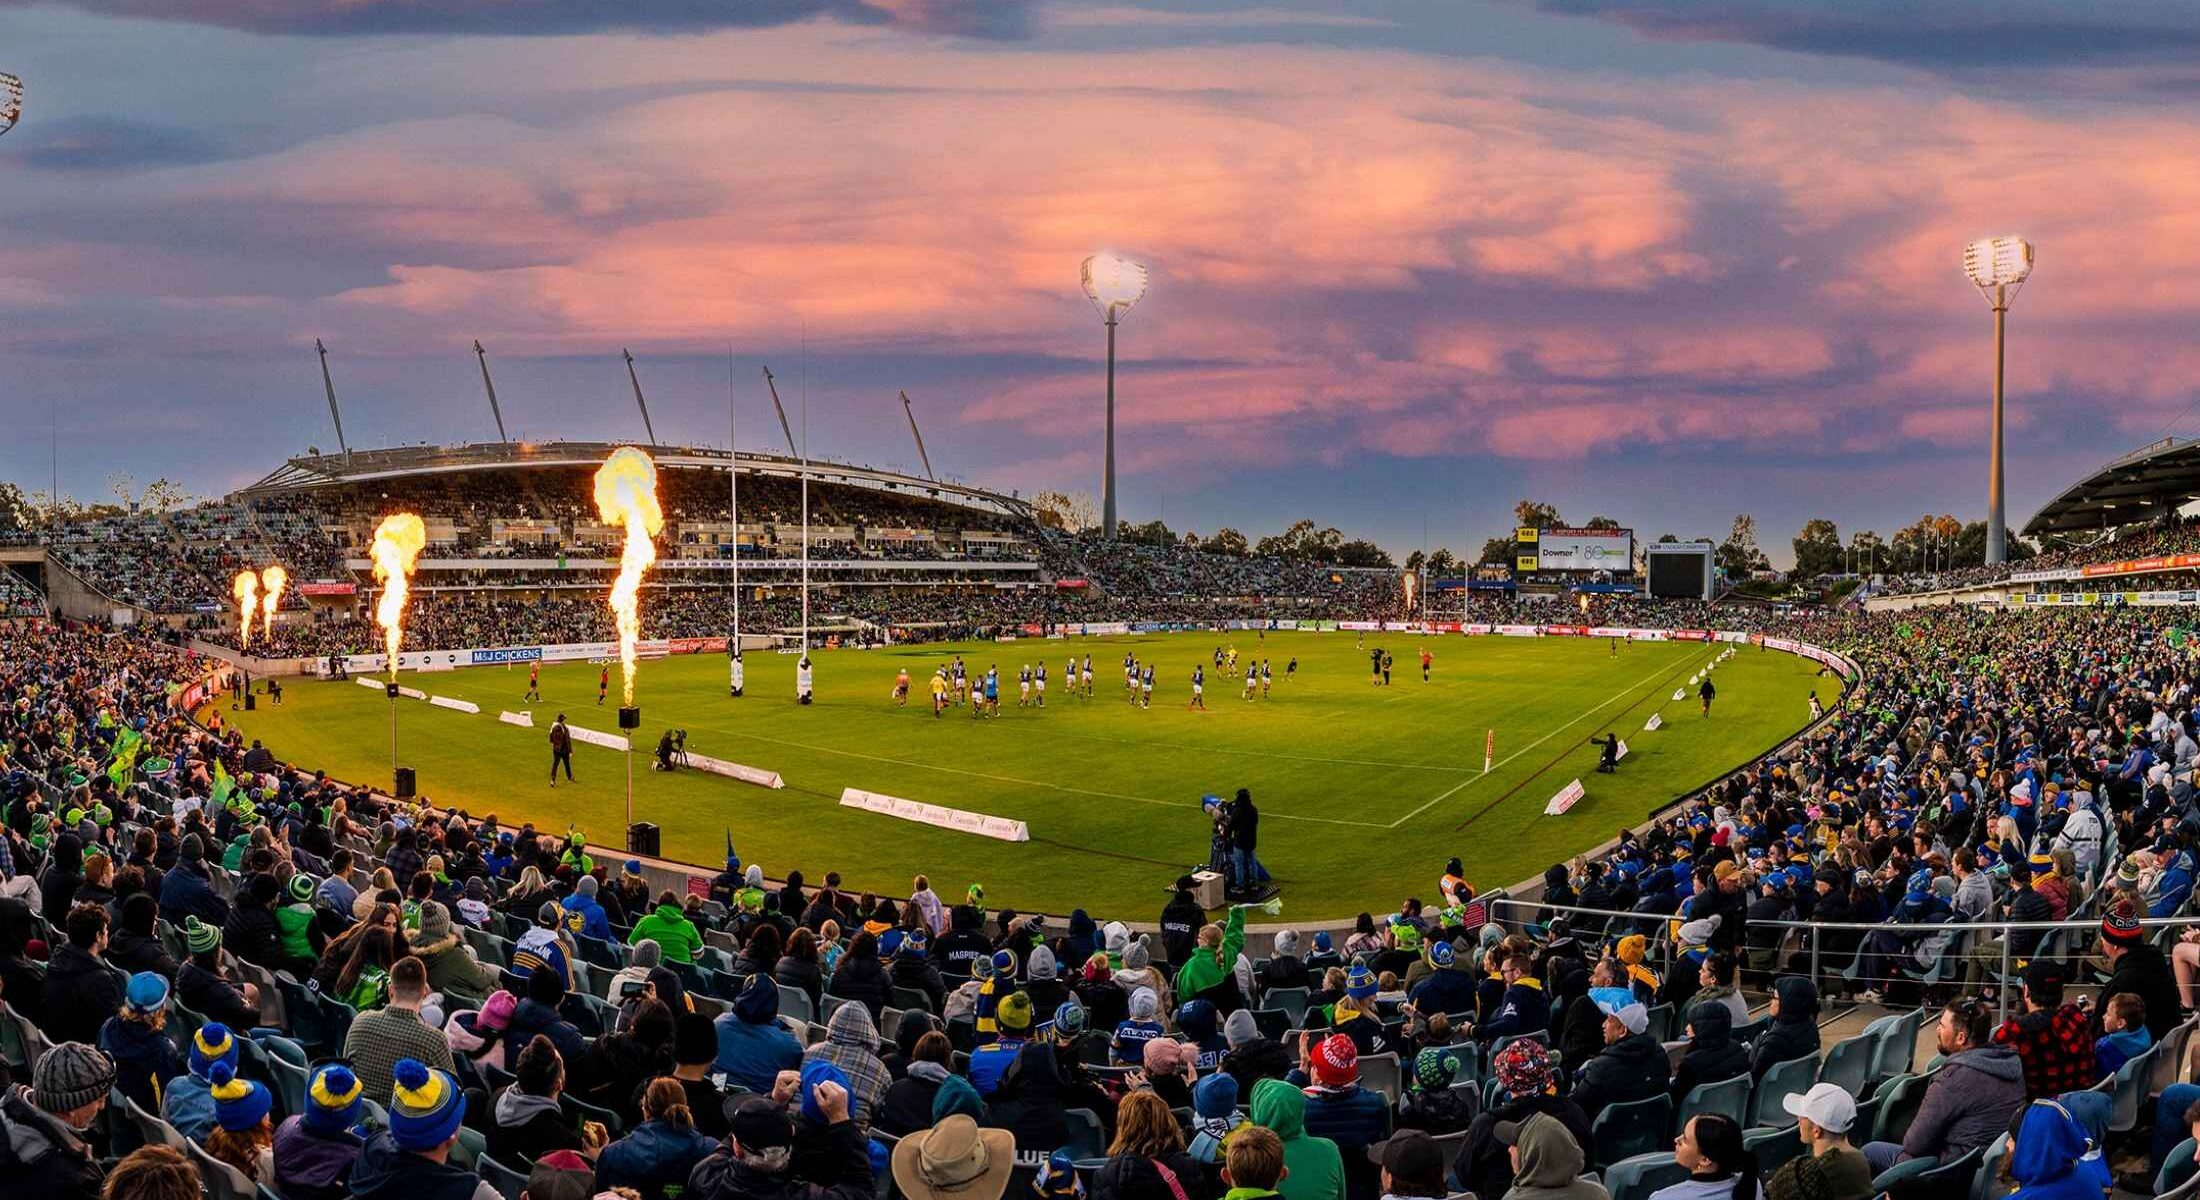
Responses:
[1566,798]
[998,828]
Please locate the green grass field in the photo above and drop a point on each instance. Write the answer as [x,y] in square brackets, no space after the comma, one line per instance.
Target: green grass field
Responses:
[1364,791]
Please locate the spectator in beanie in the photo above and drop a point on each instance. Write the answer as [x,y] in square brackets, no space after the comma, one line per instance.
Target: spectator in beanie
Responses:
[315,1150]
[411,1160]
[137,1042]
[43,1147]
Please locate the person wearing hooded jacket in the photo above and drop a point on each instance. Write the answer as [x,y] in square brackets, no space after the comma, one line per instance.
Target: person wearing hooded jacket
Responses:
[584,913]
[1794,1031]
[2044,1161]
[1633,1065]
[753,1047]
[1971,1098]
[1313,1169]
[861,977]
[1547,1162]
[1713,1054]
[668,926]
[1207,974]
[851,1044]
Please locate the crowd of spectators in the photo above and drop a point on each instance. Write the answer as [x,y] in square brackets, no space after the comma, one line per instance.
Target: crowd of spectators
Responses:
[328,992]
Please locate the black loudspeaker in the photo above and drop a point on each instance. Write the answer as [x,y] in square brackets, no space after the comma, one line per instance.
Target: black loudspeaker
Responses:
[405,782]
[630,718]
[642,838]
[251,702]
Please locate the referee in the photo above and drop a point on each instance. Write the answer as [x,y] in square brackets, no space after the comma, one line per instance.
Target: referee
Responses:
[561,750]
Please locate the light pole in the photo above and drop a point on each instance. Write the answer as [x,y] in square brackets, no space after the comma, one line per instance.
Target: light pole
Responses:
[1113,284]
[1998,266]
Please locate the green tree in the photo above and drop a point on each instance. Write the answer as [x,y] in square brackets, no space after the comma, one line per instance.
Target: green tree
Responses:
[1071,512]
[1415,561]
[1534,514]
[1818,549]
[1443,562]
[1361,553]
[1226,541]
[1496,550]
[1602,523]
[1738,555]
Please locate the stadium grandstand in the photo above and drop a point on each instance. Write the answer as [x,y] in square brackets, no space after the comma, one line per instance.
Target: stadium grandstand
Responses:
[1851,961]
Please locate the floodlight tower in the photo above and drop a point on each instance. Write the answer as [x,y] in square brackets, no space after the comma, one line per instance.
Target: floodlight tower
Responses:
[11,101]
[1113,283]
[1998,266]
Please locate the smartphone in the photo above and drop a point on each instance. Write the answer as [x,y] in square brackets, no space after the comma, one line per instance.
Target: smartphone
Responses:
[632,987]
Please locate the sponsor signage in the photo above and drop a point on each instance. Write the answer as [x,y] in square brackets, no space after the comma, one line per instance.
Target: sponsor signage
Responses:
[508,655]
[1585,550]
[998,828]
[1566,798]
[2135,566]
[328,587]
[1656,721]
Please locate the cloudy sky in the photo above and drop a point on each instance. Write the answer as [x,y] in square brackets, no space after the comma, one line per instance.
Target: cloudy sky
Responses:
[1664,260]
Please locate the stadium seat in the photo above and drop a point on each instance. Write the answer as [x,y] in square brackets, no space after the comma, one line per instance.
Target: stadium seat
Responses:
[2178,1167]
[1087,1139]
[581,1110]
[1898,1045]
[1727,1097]
[1849,1064]
[1772,1148]
[1383,1073]
[21,1042]
[223,1182]
[911,998]
[2128,1086]
[509,1183]
[1637,1177]
[1898,1099]
[1784,1079]
[1291,1000]
[151,1129]
[794,1002]
[1622,1131]
[1662,1020]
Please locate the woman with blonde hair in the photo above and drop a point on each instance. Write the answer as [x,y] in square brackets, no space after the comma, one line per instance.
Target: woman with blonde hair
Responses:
[1148,1156]
[659,1152]
[363,907]
[524,897]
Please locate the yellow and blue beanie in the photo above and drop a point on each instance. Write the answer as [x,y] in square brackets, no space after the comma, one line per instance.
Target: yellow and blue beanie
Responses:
[239,1104]
[212,1046]
[333,1096]
[425,1107]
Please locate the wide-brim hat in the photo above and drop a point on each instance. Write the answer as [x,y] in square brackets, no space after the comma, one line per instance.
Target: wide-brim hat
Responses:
[954,1159]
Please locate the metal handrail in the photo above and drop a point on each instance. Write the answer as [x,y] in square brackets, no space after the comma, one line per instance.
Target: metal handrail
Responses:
[1812,930]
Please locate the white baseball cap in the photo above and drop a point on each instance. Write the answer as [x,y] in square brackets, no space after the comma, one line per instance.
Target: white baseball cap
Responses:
[1826,1106]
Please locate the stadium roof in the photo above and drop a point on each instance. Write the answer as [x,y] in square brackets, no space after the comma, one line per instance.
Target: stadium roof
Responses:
[2151,482]
[313,471]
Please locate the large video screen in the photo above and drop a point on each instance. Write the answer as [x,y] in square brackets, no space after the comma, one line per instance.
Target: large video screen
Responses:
[1678,575]
[1586,550]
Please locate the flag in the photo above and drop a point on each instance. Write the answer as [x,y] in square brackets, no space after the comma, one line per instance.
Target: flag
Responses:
[224,787]
[128,745]
[2177,637]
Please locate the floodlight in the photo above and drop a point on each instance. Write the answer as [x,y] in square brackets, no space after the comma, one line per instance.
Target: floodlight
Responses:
[1113,282]
[1998,261]
[1998,266]
[11,101]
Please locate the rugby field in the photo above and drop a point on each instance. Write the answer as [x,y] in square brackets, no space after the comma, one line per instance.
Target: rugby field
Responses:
[1364,790]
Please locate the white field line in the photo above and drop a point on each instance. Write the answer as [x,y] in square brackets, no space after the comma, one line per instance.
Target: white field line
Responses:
[1456,788]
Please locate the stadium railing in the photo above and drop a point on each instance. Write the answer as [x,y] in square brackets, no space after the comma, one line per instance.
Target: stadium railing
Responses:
[1534,915]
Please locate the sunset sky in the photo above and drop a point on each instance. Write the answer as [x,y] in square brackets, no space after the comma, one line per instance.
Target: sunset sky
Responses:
[1664,260]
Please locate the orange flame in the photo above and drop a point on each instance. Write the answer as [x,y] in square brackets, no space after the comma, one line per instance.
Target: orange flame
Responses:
[398,541]
[272,582]
[626,494]
[246,588]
